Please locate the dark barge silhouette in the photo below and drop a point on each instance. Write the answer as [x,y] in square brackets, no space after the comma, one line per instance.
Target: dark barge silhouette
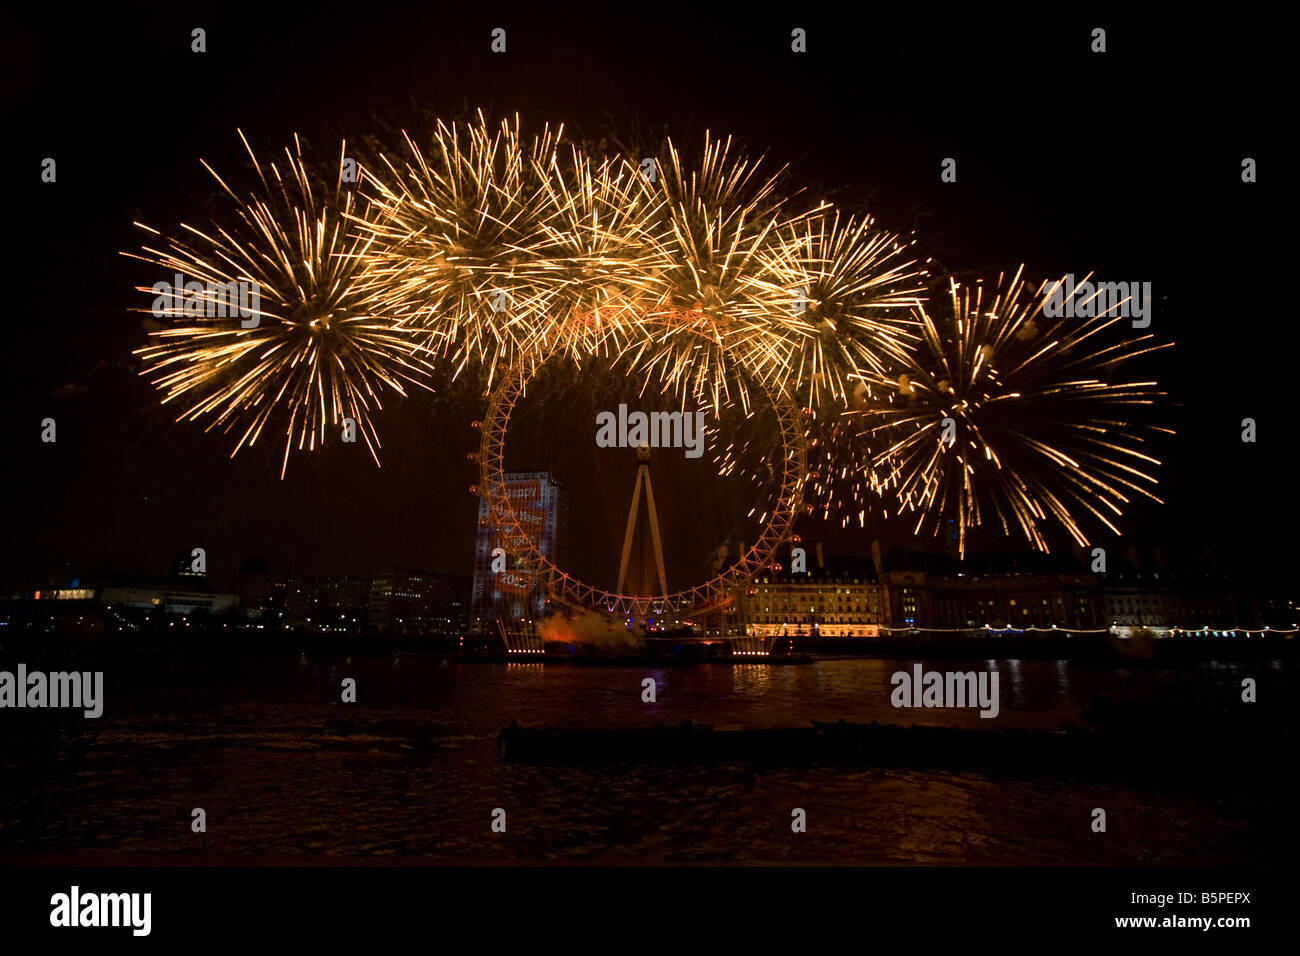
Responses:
[1121,741]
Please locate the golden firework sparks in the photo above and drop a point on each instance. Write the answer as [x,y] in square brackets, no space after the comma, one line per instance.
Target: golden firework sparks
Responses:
[321,352]
[1011,418]
[486,247]
[460,240]
[849,289]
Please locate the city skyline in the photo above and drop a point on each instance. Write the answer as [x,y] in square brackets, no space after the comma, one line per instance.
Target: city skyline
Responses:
[827,596]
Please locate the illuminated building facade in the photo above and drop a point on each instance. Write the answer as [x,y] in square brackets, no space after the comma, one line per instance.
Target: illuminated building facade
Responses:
[511,594]
[830,599]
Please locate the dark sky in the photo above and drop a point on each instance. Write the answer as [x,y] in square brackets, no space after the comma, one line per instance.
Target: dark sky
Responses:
[1126,163]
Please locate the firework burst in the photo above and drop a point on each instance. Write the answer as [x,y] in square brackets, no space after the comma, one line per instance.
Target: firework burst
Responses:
[715,301]
[607,244]
[1008,418]
[320,351]
[463,242]
[853,287]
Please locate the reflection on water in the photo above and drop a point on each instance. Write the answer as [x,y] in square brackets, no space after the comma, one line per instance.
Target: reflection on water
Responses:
[749,679]
[286,771]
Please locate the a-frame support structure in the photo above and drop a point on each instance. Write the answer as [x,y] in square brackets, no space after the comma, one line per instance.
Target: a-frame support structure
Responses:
[642,478]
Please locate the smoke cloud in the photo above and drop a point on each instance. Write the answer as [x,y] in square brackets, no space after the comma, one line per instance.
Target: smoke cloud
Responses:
[592,629]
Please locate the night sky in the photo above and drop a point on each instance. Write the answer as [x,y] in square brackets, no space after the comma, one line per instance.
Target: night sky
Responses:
[1126,164]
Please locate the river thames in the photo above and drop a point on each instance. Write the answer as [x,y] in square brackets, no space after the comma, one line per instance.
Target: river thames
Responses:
[287,772]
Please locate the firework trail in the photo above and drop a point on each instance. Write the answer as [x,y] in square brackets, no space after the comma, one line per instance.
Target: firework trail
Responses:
[320,352]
